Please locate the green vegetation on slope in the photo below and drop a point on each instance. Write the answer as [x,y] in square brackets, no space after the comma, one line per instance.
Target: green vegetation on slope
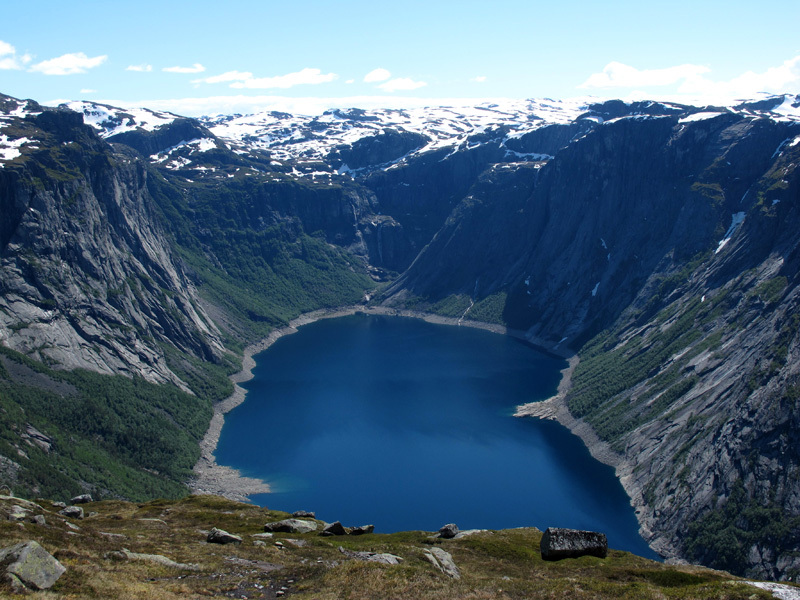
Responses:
[722,538]
[112,435]
[261,270]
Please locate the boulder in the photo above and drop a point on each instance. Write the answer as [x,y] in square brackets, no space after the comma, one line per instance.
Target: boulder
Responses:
[362,529]
[82,499]
[72,512]
[304,514]
[448,531]
[219,536]
[443,561]
[39,520]
[335,528]
[18,513]
[560,543]
[30,565]
[291,526]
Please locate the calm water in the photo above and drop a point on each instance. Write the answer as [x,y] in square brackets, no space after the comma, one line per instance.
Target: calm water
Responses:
[408,426]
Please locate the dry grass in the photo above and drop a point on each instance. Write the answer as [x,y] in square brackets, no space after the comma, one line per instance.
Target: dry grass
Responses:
[502,564]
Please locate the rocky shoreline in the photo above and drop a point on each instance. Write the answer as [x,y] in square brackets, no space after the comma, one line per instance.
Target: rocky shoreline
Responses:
[555,408]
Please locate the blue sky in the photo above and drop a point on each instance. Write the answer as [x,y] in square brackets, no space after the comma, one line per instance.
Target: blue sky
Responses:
[307,55]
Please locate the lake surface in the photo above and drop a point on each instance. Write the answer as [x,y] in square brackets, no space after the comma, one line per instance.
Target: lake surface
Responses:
[407,425]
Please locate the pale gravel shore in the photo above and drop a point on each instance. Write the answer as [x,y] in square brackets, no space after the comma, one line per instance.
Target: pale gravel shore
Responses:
[212,478]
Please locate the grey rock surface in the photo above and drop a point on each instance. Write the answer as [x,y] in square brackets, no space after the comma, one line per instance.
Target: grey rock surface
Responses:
[72,512]
[291,526]
[335,528]
[31,564]
[220,536]
[443,560]
[362,529]
[558,543]
[378,557]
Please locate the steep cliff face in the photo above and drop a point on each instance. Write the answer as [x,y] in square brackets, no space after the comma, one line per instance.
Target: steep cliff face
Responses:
[88,278]
[702,398]
[670,245]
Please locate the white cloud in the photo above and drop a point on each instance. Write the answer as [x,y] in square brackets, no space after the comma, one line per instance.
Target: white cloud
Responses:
[775,80]
[616,74]
[225,77]
[303,77]
[9,59]
[195,68]
[88,91]
[350,81]
[68,64]
[377,75]
[143,68]
[401,84]
[479,79]
[692,84]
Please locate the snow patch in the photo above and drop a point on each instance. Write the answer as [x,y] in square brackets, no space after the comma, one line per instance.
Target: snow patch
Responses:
[109,120]
[736,220]
[10,149]
[701,116]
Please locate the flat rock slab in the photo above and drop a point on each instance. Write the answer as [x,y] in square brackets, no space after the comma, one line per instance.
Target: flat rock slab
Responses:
[31,565]
[377,557]
[560,543]
[291,526]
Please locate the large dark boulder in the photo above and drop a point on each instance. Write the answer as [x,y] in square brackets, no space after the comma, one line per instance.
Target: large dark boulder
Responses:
[560,543]
[220,536]
[448,531]
[335,528]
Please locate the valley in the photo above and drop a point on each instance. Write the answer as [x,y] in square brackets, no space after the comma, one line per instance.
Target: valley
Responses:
[142,252]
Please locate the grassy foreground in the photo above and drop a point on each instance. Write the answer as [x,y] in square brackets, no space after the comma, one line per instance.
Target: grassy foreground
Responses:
[493,564]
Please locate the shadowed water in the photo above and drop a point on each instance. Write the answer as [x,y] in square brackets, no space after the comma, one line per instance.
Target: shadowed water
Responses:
[408,426]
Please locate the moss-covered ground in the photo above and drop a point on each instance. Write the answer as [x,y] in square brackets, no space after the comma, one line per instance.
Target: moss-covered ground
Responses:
[493,564]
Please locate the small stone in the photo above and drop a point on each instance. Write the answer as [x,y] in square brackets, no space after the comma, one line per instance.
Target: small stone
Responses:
[82,499]
[304,514]
[259,543]
[39,520]
[448,531]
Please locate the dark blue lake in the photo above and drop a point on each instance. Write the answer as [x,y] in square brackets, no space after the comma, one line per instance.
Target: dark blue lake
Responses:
[407,425]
